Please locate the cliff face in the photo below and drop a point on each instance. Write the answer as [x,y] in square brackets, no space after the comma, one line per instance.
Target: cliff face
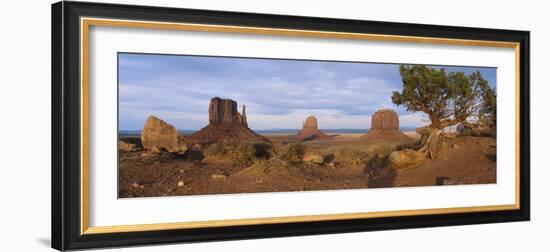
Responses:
[385,119]
[225,123]
[223,112]
[310,131]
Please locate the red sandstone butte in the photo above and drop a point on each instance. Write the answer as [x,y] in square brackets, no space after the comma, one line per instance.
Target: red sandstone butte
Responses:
[385,127]
[225,123]
[310,131]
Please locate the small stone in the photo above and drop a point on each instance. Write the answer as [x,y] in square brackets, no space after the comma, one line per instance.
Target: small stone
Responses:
[455,146]
[135,185]
[126,147]
[219,176]
[180,184]
[182,171]
[155,149]
[147,154]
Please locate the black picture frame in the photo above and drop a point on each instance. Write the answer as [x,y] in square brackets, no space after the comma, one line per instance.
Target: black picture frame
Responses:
[66,114]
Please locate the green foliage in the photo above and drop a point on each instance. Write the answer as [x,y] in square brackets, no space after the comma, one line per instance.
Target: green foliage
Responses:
[293,152]
[262,150]
[447,98]
[488,113]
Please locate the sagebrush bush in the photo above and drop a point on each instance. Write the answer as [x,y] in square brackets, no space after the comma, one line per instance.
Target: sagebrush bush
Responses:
[239,152]
[293,152]
[353,156]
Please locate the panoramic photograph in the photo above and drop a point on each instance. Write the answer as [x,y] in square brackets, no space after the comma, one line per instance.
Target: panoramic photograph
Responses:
[199,125]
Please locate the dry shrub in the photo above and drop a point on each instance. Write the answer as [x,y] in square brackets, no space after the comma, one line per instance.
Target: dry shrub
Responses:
[239,151]
[261,166]
[353,156]
[293,152]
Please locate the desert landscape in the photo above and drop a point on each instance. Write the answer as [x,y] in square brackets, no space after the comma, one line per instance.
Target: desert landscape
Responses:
[228,157]
[193,125]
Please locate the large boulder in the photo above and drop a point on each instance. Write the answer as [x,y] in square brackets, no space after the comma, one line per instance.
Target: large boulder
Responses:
[225,123]
[399,159]
[385,128]
[157,135]
[310,131]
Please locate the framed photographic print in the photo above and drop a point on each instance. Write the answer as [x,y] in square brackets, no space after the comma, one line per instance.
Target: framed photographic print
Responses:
[180,125]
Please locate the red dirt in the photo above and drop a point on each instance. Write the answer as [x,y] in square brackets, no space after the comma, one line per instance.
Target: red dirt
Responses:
[473,162]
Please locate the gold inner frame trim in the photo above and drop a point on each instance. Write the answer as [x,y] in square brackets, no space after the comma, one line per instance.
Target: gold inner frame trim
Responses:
[86,23]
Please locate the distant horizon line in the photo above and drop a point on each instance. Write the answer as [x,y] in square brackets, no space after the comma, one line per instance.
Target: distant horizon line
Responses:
[279,129]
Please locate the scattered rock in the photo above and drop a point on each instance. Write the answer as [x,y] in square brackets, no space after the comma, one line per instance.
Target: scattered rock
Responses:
[406,157]
[475,130]
[455,146]
[180,183]
[313,157]
[157,135]
[155,149]
[127,147]
[135,185]
[310,131]
[218,176]
[147,154]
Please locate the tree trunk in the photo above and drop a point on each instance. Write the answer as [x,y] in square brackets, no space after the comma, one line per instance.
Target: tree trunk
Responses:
[430,142]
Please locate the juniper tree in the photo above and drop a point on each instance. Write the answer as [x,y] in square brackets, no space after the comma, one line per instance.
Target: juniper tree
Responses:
[447,98]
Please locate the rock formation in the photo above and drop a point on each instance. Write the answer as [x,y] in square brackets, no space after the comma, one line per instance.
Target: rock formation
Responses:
[225,123]
[157,135]
[310,131]
[126,147]
[223,112]
[385,119]
[385,127]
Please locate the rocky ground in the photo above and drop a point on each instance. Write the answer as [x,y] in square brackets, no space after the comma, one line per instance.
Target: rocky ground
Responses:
[344,161]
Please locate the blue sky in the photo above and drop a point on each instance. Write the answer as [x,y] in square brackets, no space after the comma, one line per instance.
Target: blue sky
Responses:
[278,94]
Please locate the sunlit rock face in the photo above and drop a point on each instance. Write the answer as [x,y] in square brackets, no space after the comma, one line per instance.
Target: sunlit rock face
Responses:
[310,131]
[385,128]
[158,135]
[385,119]
[225,123]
